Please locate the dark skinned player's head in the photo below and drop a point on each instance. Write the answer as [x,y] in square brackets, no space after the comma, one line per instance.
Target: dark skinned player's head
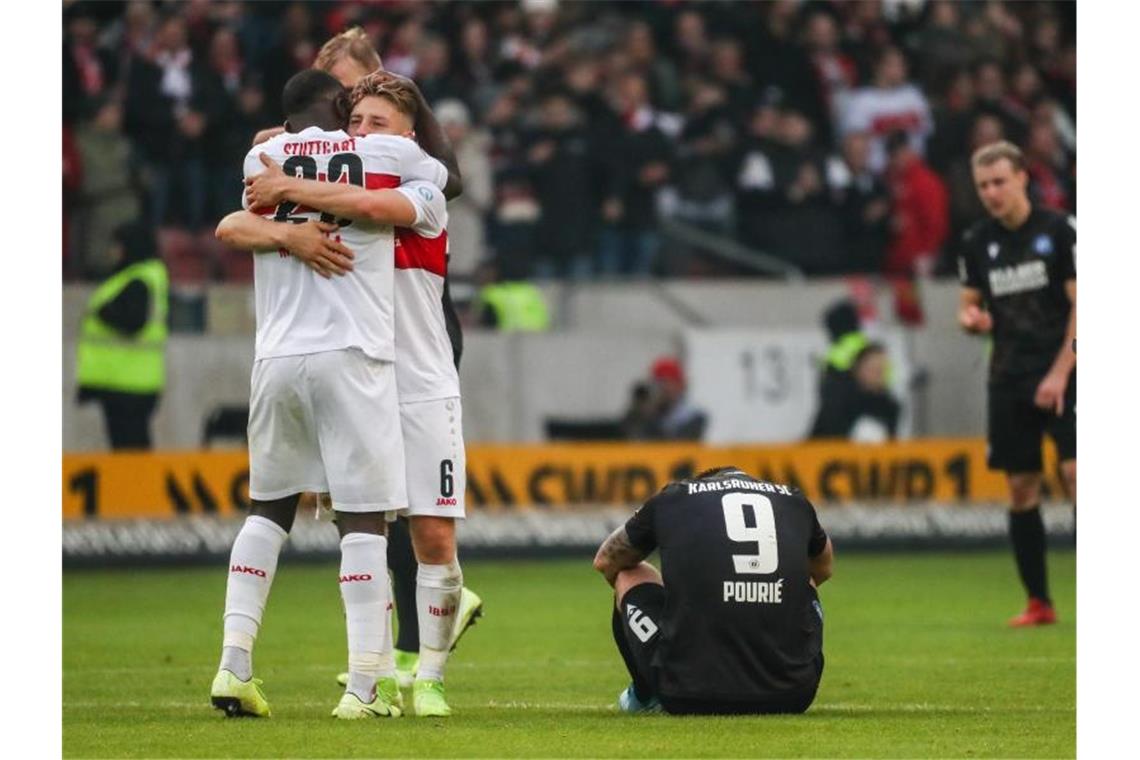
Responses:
[314,98]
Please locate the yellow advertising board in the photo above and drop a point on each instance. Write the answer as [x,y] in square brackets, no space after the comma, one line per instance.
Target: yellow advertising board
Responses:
[563,476]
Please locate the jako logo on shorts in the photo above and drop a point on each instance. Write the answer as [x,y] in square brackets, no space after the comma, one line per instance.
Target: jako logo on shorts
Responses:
[356,577]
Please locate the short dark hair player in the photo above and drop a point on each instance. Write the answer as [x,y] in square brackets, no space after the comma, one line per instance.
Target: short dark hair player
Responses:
[733,625]
[1019,282]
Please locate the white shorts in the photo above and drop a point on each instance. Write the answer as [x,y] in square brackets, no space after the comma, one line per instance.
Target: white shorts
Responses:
[330,422]
[437,462]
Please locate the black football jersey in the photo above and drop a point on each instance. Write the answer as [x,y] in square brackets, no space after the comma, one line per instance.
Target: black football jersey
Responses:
[1021,274]
[741,622]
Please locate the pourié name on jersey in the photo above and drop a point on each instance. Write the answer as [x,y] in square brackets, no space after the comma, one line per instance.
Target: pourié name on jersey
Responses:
[319,147]
[760,592]
[733,484]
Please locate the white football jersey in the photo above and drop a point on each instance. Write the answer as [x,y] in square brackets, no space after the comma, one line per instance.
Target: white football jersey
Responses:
[300,312]
[880,112]
[425,366]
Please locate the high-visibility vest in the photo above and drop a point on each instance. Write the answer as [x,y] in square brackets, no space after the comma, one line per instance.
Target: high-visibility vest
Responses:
[517,306]
[841,354]
[109,360]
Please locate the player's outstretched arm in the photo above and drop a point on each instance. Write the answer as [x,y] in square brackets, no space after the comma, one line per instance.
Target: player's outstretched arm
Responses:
[309,242]
[819,566]
[272,186]
[615,554]
[972,317]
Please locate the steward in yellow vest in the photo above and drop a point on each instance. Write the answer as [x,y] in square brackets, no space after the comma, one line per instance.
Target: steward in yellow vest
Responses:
[514,306]
[122,341]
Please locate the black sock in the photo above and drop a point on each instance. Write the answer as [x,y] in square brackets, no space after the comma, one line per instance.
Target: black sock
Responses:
[642,690]
[402,563]
[1027,532]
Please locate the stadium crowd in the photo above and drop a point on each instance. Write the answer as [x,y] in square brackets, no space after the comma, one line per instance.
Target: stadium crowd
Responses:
[832,135]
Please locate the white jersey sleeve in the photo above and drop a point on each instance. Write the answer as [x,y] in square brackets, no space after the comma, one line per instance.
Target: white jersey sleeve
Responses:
[404,157]
[430,205]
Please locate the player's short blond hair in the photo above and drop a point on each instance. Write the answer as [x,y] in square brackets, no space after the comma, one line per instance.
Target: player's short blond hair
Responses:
[382,85]
[988,155]
[353,44]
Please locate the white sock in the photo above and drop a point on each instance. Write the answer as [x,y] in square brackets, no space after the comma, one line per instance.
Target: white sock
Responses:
[364,589]
[438,588]
[387,653]
[253,563]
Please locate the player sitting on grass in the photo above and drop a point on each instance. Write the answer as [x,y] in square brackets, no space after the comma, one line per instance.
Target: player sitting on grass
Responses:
[428,384]
[735,626]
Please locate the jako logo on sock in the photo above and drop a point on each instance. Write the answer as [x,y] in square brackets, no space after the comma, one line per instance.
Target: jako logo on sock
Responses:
[356,577]
[247,569]
[441,611]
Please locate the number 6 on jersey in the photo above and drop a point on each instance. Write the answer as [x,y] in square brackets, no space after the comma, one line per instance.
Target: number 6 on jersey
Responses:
[763,533]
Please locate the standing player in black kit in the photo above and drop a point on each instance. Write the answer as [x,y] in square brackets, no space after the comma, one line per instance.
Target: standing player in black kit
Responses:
[1019,282]
[735,626]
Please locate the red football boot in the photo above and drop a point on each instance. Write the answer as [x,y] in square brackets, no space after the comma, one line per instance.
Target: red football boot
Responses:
[1036,612]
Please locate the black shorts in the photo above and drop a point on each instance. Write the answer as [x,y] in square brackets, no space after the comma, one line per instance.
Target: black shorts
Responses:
[1016,427]
[641,610]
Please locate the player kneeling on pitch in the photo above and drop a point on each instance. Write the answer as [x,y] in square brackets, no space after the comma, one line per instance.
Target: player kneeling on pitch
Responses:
[735,626]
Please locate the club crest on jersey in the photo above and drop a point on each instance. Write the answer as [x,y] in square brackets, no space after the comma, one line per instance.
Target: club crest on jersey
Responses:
[993,250]
[425,193]
[1043,246]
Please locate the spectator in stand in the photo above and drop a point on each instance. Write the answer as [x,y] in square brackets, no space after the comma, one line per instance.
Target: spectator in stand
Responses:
[954,118]
[466,227]
[295,50]
[401,55]
[559,158]
[965,208]
[1046,164]
[780,62]
[864,205]
[108,195]
[989,84]
[889,104]
[433,75]
[241,111]
[511,232]
[941,45]
[473,64]
[88,71]
[167,112]
[757,195]
[642,163]
[806,228]
[659,71]
[704,148]
[674,418]
[835,72]
[727,70]
[920,221]
[691,43]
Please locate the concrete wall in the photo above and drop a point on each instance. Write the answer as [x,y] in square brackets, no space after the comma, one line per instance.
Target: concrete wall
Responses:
[609,335]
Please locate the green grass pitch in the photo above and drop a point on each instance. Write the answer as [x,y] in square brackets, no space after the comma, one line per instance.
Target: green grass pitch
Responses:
[918,665]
